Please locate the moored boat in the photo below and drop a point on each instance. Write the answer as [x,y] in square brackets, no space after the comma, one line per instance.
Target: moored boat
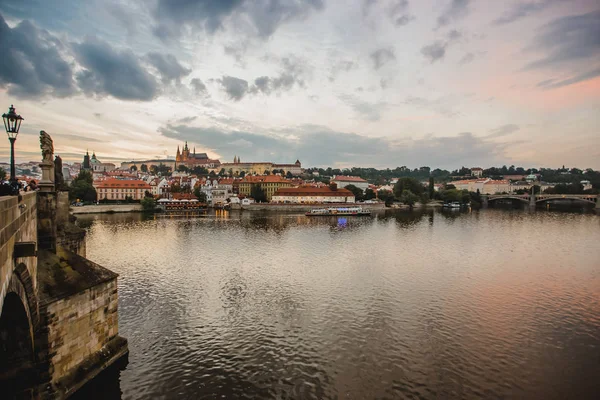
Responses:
[335,211]
[454,204]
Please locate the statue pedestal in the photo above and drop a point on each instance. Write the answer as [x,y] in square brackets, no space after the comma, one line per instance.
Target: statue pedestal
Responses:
[47,182]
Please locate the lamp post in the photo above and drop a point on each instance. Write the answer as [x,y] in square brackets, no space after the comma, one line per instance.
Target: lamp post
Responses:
[12,123]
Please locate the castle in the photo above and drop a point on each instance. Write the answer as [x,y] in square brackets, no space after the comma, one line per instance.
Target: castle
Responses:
[191,159]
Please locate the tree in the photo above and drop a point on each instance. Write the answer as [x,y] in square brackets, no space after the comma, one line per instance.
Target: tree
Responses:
[408,197]
[199,170]
[222,172]
[200,195]
[369,194]
[82,187]
[267,172]
[357,192]
[431,188]
[133,168]
[242,174]
[258,194]
[289,175]
[144,168]
[182,168]
[386,196]
[2,174]
[148,204]
[163,170]
[410,184]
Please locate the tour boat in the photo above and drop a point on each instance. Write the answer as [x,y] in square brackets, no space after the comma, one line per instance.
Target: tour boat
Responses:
[334,211]
[454,204]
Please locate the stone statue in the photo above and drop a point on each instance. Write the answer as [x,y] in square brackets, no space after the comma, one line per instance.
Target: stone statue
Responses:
[46,184]
[47,147]
[59,179]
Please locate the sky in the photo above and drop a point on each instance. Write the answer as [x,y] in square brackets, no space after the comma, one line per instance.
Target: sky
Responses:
[340,83]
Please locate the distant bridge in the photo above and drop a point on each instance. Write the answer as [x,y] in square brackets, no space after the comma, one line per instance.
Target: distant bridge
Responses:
[532,200]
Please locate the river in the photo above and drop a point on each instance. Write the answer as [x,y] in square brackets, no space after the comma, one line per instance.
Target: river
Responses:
[478,304]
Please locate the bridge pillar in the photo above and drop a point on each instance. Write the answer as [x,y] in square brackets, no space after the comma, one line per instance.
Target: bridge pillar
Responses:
[532,201]
[484,201]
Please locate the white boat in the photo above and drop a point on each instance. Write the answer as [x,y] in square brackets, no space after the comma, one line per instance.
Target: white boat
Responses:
[454,204]
[334,211]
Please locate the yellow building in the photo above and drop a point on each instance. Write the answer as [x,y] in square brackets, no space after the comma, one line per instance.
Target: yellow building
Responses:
[259,168]
[121,189]
[268,183]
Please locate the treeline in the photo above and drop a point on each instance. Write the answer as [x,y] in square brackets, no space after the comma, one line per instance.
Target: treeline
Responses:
[410,191]
[383,176]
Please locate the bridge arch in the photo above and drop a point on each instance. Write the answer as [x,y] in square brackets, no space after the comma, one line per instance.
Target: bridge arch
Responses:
[508,197]
[18,322]
[543,199]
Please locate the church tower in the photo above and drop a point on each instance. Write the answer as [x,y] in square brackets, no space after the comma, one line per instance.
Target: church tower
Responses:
[178,155]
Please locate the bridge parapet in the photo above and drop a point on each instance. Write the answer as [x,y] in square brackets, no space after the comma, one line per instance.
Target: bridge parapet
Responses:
[19,225]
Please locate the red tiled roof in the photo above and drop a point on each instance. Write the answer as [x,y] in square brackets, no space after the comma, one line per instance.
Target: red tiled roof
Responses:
[121,183]
[313,191]
[343,178]
[264,178]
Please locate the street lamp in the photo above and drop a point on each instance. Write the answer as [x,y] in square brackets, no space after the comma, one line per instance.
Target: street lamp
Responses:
[12,123]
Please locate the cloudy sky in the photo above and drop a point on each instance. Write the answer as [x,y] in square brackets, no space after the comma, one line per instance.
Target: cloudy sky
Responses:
[380,83]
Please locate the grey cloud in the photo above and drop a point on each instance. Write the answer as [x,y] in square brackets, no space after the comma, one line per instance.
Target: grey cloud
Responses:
[31,63]
[381,57]
[467,58]
[186,120]
[292,74]
[110,72]
[566,40]
[523,9]
[198,86]
[554,84]
[503,130]
[320,146]
[435,51]
[237,50]
[168,67]
[263,16]
[404,19]
[455,10]
[235,88]
[341,66]
[368,111]
[395,10]
[454,35]
[443,105]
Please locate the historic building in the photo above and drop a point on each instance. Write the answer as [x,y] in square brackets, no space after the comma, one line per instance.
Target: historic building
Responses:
[309,195]
[92,164]
[191,159]
[121,189]
[259,168]
[343,181]
[268,183]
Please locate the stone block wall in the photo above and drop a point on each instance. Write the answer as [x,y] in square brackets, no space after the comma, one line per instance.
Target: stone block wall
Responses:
[73,241]
[79,326]
[18,223]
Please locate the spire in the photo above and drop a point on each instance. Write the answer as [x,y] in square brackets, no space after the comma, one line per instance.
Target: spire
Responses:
[186,147]
[194,150]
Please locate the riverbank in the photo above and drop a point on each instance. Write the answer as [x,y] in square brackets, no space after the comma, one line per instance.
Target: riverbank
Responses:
[307,207]
[106,209]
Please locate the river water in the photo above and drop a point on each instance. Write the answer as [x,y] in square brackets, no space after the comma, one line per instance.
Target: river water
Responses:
[480,304]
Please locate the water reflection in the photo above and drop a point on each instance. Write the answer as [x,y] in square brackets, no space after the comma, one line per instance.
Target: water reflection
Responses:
[423,304]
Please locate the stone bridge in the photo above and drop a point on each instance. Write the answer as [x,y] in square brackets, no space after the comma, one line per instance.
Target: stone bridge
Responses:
[59,311]
[533,200]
